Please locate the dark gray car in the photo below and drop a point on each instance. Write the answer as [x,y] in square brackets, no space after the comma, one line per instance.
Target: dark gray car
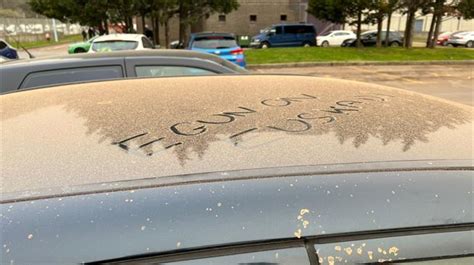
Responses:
[79,68]
[235,170]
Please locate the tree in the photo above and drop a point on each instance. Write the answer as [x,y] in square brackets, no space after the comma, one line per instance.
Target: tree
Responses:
[376,15]
[390,8]
[466,9]
[192,11]
[167,9]
[355,10]
[94,13]
[341,12]
[410,8]
[329,10]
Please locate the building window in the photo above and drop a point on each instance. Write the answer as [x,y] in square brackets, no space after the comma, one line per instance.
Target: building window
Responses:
[283,17]
[221,18]
[253,18]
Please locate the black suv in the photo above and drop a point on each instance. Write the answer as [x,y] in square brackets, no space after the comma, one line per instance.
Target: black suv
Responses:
[369,38]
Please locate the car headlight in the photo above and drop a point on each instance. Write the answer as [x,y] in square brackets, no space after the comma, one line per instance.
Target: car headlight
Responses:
[256,40]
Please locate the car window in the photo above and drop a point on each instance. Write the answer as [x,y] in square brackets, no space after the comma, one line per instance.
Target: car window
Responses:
[114,45]
[71,75]
[214,42]
[295,29]
[3,45]
[161,70]
[439,248]
[292,256]
[368,34]
[278,30]
[147,43]
[308,29]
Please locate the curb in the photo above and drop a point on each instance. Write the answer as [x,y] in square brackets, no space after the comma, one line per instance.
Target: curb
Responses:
[360,63]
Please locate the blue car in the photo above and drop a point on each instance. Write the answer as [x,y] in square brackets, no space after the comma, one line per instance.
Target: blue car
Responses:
[285,35]
[222,44]
[7,51]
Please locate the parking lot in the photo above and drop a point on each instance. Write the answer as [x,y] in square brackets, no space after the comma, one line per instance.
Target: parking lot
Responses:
[451,82]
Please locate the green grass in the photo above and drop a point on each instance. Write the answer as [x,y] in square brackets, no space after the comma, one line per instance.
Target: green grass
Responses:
[45,43]
[317,54]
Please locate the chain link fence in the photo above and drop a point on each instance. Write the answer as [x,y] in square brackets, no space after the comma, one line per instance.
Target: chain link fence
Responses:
[35,29]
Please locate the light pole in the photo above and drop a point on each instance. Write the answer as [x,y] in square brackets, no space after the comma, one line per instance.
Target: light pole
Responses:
[55,32]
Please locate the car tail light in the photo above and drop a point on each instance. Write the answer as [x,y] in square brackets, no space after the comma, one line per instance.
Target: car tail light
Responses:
[237,51]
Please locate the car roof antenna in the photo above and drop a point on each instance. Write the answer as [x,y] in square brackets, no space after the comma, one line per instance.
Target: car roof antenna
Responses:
[21,46]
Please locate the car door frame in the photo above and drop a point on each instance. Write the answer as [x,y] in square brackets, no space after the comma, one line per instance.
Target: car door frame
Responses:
[275,39]
[134,61]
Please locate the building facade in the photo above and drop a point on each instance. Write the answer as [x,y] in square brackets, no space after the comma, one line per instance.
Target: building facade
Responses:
[251,17]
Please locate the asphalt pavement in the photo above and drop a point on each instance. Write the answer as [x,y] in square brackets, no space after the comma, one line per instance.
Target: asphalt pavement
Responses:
[451,82]
[55,50]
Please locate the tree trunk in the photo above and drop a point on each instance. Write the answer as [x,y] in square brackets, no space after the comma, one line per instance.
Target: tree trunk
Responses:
[143,24]
[182,23]
[439,21]
[379,32]
[106,26]
[430,33]
[359,25]
[409,29]
[389,21]
[167,33]
[130,25]
[156,29]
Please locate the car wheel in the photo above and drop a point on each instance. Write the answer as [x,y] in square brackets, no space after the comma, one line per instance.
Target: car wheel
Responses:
[264,45]
[307,44]
[394,44]
[79,50]
[325,44]
[470,44]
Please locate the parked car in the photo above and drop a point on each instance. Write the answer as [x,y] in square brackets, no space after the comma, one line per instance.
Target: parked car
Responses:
[80,68]
[369,38]
[334,38]
[7,51]
[462,39]
[81,47]
[3,59]
[285,35]
[120,42]
[235,170]
[443,38]
[222,44]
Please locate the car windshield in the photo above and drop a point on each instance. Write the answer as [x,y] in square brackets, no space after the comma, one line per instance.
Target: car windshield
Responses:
[326,33]
[214,42]
[366,34]
[266,30]
[114,45]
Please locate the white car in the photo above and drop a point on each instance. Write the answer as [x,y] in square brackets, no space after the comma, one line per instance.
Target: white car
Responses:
[462,39]
[121,42]
[334,38]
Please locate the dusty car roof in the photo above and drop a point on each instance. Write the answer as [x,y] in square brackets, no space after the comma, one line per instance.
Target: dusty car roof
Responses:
[145,128]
